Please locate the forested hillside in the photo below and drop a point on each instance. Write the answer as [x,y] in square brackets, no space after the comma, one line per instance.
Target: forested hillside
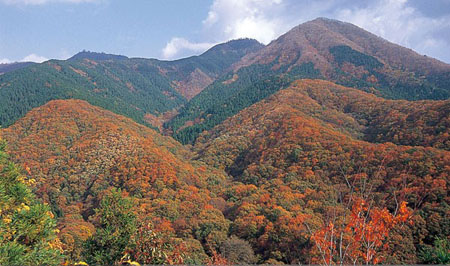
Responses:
[78,154]
[374,119]
[351,56]
[230,94]
[142,89]
[297,165]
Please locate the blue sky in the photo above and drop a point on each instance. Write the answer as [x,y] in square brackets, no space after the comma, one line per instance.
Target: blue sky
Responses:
[37,30]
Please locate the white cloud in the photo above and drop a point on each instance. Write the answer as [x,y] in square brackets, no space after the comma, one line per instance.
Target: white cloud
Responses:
[233,19]
[29,58]
[401,23]
[34,58]
[178,46]
[41,2]
[5,61]
[258,19]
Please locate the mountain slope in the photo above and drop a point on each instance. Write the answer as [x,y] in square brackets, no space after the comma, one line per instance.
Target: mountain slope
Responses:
[322,48]
[142,89]
[113,85]
[77,152]
[191,75]
[371,118]
[293,153]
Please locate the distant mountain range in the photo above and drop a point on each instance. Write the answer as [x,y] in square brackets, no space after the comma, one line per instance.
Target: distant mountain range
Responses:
[4,68]
[142,89]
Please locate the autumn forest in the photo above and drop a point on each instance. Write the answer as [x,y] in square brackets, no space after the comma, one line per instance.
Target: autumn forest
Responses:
[327,146]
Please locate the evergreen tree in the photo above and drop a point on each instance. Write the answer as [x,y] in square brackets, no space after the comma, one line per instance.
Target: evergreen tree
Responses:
[116,224]
[27,227]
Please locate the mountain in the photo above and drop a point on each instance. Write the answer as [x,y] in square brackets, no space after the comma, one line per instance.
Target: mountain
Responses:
[77,152]
[5,68]
[113,85]
[146,90]
[328,143]
[348,54]
[298,155]
[191,75]
[322,48]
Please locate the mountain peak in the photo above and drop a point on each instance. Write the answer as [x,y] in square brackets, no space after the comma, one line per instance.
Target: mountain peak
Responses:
[237,44]
[311,42]
[326,20]
[97,56]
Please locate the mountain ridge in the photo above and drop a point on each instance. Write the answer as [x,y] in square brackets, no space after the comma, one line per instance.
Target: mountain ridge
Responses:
[320,49]
[8,67]
[137,88]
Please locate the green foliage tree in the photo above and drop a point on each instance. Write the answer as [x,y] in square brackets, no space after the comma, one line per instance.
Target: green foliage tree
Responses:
[116,224]
[439,253]
[27,228]
[212,228]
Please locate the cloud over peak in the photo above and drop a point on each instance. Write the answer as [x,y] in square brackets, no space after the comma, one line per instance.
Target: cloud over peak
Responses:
[399,21]
[34,58]
[177,46]
[402,23]
[233,19]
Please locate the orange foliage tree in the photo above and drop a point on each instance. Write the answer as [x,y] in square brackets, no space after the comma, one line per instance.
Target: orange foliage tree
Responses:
[357,237]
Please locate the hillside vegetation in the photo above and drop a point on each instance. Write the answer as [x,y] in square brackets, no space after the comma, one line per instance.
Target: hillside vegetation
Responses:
[295,159]
[295,162]
[78,154]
